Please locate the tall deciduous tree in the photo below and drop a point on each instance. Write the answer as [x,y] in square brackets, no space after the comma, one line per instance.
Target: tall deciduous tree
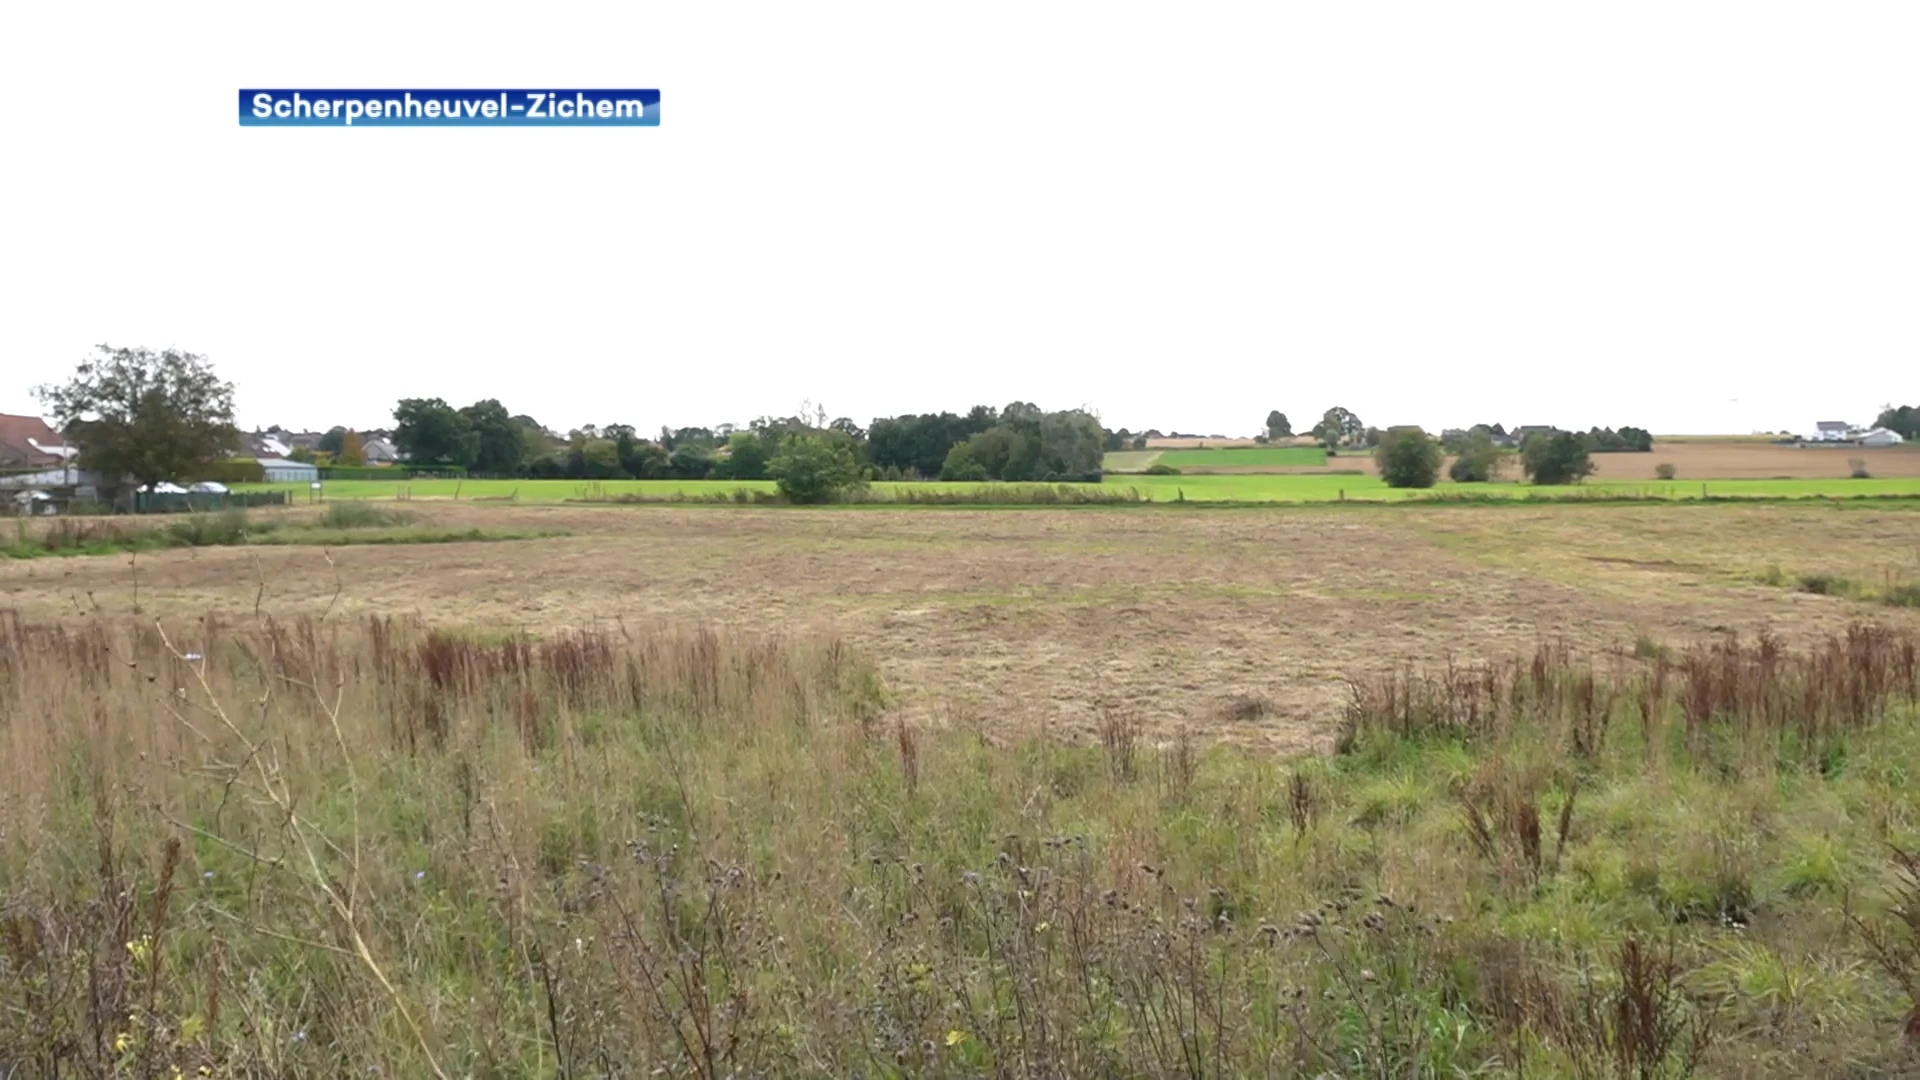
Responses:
[1904,419]
[1408,458]
[148,415]
[431,432]
[1278,426]
[1558,458]
[351,451]
[500,445]
[1339,426]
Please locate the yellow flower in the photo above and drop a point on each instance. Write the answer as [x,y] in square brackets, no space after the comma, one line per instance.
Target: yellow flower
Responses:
[956,1037]
[1042,928]
[122,1043]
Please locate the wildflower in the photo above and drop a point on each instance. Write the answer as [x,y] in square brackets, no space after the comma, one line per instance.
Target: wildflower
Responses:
[207,876]
[1042,927]
[193,656]
[956,1037]
[419,875]
[122,1043]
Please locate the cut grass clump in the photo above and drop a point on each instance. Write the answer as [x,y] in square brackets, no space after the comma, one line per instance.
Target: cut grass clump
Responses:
[361,515]
[1825,585]
[1892,592]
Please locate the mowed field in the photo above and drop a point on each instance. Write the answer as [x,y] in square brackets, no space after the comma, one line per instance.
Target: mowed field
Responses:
[1231,487]
[1240,624]
[1285,456]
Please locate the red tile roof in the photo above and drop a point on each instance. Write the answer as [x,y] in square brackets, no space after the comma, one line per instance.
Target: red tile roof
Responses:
[18,434]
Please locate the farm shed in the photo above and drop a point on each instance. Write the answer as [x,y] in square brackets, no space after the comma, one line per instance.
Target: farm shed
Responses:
[1882,437]
[282,471]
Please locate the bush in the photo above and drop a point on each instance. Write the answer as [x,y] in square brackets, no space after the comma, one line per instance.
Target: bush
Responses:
[1559,458]
[1479,461]
[812,469]
[213,530]
[1859,467]
[1408,458]
[1665,470]
[1161,468]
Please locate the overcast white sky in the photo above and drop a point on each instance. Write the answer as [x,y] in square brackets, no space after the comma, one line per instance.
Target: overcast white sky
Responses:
[1687,216]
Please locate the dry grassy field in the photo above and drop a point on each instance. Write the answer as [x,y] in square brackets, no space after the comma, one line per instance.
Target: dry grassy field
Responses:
[1241,624]
[1609,791]
[1731,459]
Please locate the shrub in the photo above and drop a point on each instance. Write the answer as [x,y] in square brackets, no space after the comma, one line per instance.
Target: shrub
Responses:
[1478,462]
[1161,468]
[210,530]
[1665,470]
[1408,458]
[1859,467]
[1559,458]
[812,469]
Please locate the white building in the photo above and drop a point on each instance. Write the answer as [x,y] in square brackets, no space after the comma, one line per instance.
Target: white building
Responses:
[283,471]
[1881,437]
[1831,431]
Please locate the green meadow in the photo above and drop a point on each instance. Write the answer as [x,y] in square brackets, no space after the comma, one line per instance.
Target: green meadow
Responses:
[1298,456]
[1251,488]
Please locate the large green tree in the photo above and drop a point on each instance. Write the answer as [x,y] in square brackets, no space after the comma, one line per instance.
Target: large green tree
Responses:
[147,415]
[1339,426]
[815,468]
[1408,458]
[500,447]
[1905,419]
[431,432]
[1557,458]
[1278,426]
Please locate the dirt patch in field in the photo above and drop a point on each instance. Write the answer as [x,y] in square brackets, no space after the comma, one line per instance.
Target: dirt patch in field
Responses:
[1027,620]
[1756,461]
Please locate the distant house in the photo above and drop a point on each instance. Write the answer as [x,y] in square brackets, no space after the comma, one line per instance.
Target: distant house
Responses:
[378,451]
[263,445]
[1882,437]
[1521,433]
[1831,431]
[282,471]
[27,442]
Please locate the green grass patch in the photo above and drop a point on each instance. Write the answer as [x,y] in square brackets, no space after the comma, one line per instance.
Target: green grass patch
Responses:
[1255,488]
[1249,456]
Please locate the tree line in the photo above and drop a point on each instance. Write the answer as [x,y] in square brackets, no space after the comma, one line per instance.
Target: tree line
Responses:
[154,416]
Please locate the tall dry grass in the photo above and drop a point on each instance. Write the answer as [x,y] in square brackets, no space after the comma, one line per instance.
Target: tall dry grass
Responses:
[310,847]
